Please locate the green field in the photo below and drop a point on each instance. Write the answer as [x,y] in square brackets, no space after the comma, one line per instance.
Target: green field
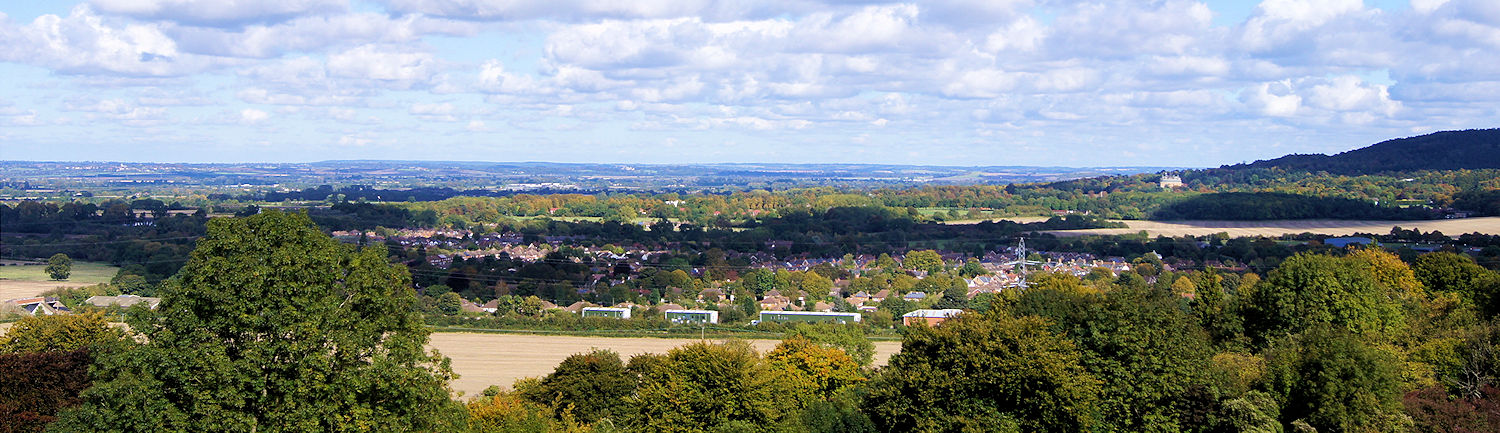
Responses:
[83,272]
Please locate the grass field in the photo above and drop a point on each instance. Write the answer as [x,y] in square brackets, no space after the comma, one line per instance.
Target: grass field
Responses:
[31,280]
[482,360]
[1451,227]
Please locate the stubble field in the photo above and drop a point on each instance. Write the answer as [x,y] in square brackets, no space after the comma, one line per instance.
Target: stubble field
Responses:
[483,359]
[1452,227]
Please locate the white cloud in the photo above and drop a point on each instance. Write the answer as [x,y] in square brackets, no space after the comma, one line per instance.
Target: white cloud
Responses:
[85,43]
[401,68]
[251,116]
[218,12]
[1278,22]
[311,33]
[1273,99]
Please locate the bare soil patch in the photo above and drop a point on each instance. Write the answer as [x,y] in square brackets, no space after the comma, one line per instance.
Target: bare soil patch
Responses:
[1452,227]
[482,359]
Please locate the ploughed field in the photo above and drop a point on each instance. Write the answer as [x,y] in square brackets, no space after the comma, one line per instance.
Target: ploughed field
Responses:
[484,359]
[1451,227]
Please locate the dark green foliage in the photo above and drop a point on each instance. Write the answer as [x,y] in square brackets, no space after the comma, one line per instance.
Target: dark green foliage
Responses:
[838,414]
[589,386]
[1150,354]
[974,372]
[1278,206]
[1449,272]
[1446,150]
[273,327]
[35,386]
[1335,382]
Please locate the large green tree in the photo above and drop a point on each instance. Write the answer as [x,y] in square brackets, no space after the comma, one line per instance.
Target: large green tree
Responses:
[1150,355]
[984,373]
[272,326]
[59,266]
[588,386]
[1333,381]
[1308,290]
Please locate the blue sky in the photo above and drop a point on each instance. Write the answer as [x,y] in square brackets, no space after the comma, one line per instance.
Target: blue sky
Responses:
[953,82]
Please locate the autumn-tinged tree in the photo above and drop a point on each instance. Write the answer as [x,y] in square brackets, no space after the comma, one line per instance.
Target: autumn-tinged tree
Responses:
[703,386]
[850,339]
[35,385]
[923,260]
[60,333]
[1309,289]
[272,326]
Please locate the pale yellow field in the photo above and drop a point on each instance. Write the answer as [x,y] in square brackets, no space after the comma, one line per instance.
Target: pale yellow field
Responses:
[1451,227]
[11,289]
[482,360]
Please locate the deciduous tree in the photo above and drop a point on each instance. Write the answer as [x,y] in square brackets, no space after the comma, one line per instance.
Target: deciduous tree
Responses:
[272,326]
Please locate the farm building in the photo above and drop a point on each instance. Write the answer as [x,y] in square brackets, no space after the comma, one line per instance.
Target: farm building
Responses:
[807,316]
[692,316]
[610,312]
[930,317]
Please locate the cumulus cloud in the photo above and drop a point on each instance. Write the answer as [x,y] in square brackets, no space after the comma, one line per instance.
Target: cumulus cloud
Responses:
[970,71]
[396,67]
[86,43]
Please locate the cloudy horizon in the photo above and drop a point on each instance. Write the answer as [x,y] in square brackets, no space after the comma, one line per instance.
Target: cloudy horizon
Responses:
[997,83]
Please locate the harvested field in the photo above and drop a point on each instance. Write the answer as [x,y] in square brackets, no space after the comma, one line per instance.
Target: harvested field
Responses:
[11,289]
[1452,227]
[499,359]
[22,281]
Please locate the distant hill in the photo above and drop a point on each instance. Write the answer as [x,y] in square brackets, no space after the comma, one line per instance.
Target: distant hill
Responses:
[1447,150]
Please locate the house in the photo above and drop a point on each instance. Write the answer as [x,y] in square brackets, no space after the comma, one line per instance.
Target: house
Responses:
[608,312]
[1170,181]
[39,306]
[929,317]
[577,307]
[914,296]
[692,316]
[124,301]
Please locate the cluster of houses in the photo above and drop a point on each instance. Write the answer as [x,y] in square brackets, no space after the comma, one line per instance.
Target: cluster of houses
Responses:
[924,317]
[47,306]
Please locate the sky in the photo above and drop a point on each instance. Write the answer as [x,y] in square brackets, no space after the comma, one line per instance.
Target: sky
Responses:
[949,82]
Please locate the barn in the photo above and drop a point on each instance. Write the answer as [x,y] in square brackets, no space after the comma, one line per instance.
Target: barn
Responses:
[807,317]
[692,316]
[610,312]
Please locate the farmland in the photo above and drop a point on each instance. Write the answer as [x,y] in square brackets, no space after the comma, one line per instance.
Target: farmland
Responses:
[19,281]
[482,359]
[1453,227]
